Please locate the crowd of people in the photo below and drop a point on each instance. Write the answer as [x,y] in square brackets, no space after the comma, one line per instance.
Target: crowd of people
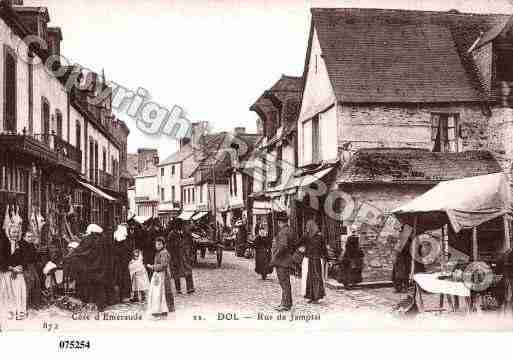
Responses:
[308,255]
[141,263]
[136,263]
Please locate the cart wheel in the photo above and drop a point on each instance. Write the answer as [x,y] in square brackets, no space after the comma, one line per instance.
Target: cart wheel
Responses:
[219,256]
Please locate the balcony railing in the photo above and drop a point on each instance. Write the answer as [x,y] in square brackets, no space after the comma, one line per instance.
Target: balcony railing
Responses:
[67,155]
[106,180]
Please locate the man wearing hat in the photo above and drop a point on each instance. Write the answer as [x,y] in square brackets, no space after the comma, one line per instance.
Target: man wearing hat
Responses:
[281,259]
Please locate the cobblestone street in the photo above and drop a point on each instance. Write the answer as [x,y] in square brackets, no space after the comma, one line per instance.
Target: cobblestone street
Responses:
[233,289]
[234,297]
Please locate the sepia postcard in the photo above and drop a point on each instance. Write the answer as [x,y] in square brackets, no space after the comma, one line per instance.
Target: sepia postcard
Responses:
[255,166]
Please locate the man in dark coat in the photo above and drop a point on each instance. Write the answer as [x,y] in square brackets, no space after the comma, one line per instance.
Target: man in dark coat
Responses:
[180,248]
[282,250]
[241,239]
[187,248]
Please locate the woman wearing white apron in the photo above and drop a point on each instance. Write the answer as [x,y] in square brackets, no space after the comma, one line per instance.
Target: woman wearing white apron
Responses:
[160,297]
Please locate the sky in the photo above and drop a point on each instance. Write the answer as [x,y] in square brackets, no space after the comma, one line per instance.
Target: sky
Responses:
[212,58]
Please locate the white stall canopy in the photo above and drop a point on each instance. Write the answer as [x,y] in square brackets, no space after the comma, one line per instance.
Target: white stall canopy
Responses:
[464,203]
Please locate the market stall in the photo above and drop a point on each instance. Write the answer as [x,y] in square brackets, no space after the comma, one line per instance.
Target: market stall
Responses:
[463,210]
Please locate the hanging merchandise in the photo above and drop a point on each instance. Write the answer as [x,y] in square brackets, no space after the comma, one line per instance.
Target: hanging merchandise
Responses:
[14,225]
[40,219]
[7,221]
[34,229]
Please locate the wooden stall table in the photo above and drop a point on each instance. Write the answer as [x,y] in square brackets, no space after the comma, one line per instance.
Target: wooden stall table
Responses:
[431,282]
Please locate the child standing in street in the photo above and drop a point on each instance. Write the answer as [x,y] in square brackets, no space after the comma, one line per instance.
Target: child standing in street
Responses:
[160,298]
[139,277]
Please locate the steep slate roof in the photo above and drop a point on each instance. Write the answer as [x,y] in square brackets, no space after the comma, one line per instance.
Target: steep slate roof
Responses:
[377,55]
[178,156]
[284,84]
[132,164]
[288,84]
[415,166]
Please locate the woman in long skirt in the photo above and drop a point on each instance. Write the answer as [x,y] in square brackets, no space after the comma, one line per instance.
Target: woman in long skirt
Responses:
[316,254]
[160,297]
[262,246]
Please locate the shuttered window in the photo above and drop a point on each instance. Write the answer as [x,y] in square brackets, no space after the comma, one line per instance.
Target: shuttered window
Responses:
[58,116]
[10,91]
[78,135]
[444,132]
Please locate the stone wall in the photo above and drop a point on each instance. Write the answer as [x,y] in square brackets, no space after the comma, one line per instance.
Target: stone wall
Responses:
[408,125]
[379,236]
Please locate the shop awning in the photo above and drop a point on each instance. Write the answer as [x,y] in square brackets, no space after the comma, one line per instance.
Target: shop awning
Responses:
[186,215]
[307,180]
[464,203]
[199,215]
[98,191]
[167,207]
[141,219]
[294,183]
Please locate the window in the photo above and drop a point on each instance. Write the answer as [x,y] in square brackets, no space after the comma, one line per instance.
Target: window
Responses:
[173,194]
[162,195]
[315,140]
[193,193]
[231,186]
[189,195]
[91,161]
[504,61]
[31,94]
[78,135]
[235,184]
[104,160]
[162,172]
[173,170]
[10,107]
[45,119]
[444,132]
[96,164]
[58,116]
[201,194]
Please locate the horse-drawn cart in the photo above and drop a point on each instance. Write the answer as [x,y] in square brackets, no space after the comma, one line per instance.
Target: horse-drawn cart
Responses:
[202,241]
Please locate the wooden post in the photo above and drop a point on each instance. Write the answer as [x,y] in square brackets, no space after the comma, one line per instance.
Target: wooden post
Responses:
[507,241]
[443,261]
[475,251]
[413,251]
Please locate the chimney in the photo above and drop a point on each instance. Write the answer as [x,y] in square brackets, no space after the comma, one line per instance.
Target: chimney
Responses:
[198,129]
[260,127]
[184,141]
[54,42]
[14,2]
[240,130]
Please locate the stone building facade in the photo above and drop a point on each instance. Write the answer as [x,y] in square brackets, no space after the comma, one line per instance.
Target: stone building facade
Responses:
[404,86]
